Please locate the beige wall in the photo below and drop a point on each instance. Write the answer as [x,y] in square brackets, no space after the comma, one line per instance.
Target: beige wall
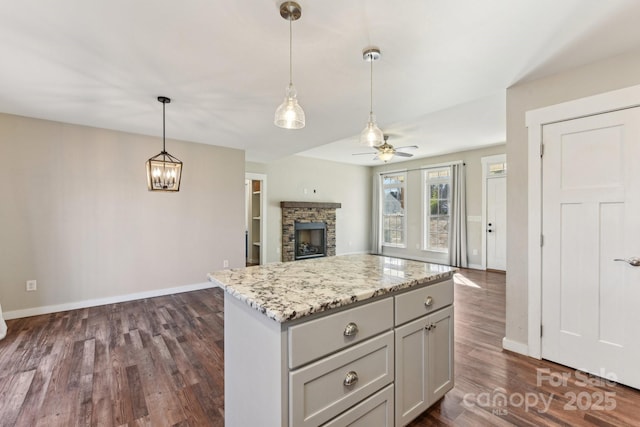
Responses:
[296,178]
[472,159]
[75,214]
[614,73]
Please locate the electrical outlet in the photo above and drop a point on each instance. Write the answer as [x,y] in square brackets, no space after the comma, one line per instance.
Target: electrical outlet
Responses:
[225,263]
[475,252]
[32,285]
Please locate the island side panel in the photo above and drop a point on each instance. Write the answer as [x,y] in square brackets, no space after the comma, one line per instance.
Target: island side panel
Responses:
[255,386]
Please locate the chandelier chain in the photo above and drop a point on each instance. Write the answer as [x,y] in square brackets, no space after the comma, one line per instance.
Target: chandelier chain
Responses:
[163,128]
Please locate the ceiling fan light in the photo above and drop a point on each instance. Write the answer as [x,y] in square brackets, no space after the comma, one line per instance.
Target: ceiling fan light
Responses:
[371,135]
[290,115]
[386,156]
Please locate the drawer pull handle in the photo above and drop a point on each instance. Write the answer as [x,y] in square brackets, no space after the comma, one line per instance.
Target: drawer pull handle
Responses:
[350,379]
[351,329]
[430,326]
[428,302]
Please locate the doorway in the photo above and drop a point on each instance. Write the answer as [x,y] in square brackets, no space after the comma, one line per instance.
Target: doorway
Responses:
[583,202]
[494,212]
[590,213]
[255,218]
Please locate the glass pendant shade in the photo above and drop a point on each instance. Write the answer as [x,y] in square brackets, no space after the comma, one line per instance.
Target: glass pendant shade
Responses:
[371,135]
[289,115]
[164,171]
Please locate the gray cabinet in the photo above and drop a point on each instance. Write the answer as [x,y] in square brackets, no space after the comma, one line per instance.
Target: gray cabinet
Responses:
[375,363]
[424,357]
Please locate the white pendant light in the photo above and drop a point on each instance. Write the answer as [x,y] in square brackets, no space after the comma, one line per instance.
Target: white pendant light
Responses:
[164,171]
[289,114]
[371,136]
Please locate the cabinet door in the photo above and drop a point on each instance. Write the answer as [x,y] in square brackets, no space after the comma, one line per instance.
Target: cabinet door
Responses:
[412,344]
[440,354]
[424,363]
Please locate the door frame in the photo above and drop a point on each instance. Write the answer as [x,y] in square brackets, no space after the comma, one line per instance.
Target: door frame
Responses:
[535,120]
[486,161]
[263,212]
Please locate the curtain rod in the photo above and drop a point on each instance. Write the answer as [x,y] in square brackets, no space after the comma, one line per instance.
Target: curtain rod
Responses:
[436,166]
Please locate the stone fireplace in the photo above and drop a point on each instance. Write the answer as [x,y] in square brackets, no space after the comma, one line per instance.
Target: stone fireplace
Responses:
[312,222]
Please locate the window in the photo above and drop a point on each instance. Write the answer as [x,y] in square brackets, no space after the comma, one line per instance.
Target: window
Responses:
[498,168]
[437,203]
[393,209]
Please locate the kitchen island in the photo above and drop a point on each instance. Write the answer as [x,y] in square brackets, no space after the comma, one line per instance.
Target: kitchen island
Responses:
[337,340]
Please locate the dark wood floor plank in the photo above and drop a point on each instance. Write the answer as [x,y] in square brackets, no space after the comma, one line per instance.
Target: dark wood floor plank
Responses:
[37,392]
[136,392]
[102,414]
[13,393]
[120,395]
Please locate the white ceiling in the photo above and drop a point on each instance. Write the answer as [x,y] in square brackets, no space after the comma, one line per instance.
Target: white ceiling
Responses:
[440,83]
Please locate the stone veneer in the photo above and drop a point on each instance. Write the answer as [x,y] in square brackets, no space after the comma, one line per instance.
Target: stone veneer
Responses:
[293,212]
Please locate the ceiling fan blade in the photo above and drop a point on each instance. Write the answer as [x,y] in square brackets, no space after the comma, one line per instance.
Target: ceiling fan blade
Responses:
[408,147]
[401,154]
[360,154]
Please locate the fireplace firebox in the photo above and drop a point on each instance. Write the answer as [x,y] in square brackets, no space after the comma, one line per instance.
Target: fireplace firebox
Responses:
[310,240]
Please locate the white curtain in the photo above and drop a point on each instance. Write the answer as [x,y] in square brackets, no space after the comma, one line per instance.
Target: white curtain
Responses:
[3,326]
[376,226]
[458,231]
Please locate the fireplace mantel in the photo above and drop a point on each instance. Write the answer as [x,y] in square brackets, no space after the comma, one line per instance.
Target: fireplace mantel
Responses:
[316,205]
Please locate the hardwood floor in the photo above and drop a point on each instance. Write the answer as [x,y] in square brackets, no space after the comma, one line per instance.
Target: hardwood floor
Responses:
[159,362]
[154,362]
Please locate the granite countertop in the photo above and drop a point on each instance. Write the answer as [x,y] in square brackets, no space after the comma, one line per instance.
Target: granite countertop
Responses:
[289,290]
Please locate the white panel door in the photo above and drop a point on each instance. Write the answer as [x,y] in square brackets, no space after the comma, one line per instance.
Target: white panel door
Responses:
[497,223]
[590,218]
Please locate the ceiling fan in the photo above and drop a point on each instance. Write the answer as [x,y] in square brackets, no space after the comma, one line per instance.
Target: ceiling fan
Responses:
[386,151]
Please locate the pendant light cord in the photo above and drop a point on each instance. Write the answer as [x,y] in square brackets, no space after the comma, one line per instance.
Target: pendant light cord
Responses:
[290,54]
[371,92]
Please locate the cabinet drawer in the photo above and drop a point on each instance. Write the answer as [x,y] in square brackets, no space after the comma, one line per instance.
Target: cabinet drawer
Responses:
[414,304]
[375,411]
[318,392]
[314,339]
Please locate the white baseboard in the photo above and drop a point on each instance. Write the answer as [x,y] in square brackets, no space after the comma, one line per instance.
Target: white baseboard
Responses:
[46,309]
[354,253]
[475,267]
[516,347]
